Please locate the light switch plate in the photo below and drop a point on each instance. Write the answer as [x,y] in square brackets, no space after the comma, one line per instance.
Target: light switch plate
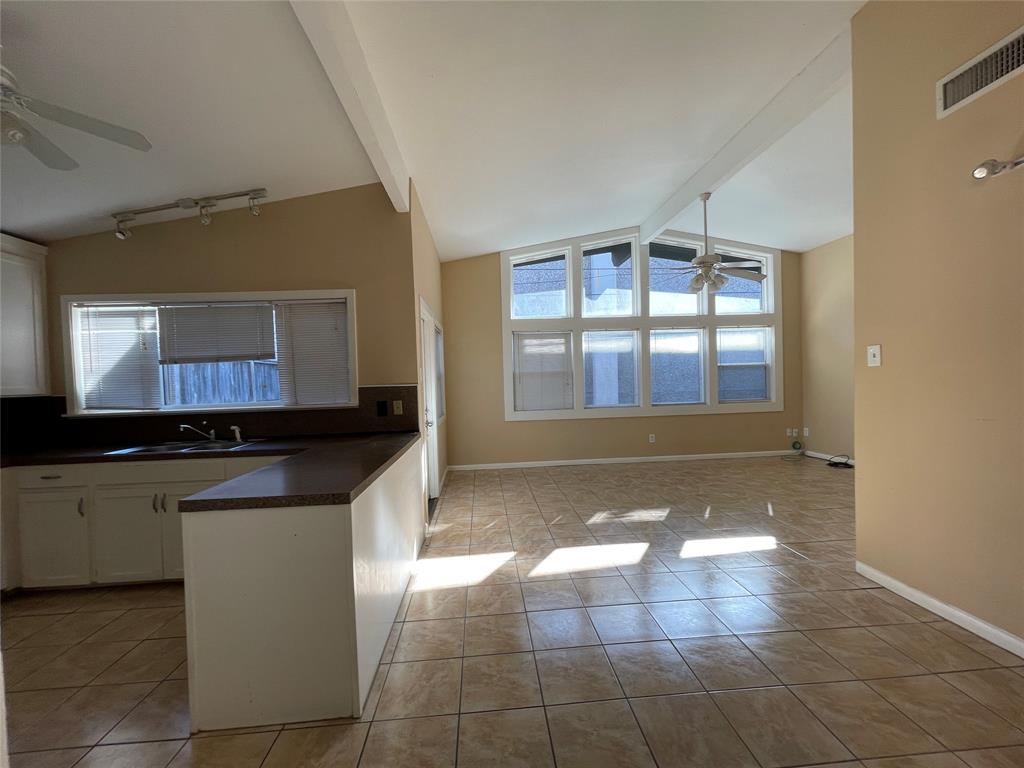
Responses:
[396,406]
[874,355]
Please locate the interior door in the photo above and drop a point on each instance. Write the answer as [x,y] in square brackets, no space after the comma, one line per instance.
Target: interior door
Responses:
[126,534]
[170,519]
[429,330]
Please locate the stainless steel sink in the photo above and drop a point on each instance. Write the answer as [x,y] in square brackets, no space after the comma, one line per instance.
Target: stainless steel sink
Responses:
[198,446]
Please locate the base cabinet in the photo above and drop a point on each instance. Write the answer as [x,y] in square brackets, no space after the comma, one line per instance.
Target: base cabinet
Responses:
[126,534]
[109,523]
[170,520]
[54,537]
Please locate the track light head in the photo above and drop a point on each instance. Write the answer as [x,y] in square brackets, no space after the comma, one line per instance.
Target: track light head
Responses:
[993,167]
[121,231]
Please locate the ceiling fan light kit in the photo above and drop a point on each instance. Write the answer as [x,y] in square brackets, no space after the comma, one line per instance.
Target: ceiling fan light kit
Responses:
[205,204]
[710,271]
[994,167]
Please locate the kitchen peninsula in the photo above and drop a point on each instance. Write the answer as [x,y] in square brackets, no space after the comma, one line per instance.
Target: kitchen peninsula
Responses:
[293,576]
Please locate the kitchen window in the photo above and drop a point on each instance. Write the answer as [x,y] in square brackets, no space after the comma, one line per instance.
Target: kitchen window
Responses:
[602,326]
[191,352]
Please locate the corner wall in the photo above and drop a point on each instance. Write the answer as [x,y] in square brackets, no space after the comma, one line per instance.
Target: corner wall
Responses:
[427,285]
[479,434]
[940,426]
[827,284]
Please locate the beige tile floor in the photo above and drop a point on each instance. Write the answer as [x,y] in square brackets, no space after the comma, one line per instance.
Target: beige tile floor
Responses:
[674,614]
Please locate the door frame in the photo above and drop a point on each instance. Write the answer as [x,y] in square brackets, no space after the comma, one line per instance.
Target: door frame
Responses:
[429,422]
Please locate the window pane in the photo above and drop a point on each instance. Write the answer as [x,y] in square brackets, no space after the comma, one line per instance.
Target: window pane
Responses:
[743,371]
[542,371]
[740,296]
[608,281]
[439,371]
[539,288]
[677,369]
[609,364]
[117,357]
[252,381]
[668,282]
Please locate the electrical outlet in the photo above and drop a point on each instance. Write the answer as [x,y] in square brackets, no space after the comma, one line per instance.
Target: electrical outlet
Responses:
[789,432]
[397,407]
[650,438]
[807,431]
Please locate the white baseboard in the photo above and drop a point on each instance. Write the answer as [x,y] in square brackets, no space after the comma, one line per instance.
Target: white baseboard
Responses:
[826,456]
[620,460]
[1006,640]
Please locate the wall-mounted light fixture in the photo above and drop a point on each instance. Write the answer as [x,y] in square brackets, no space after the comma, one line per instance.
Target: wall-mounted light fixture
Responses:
[995,167]
[205,204]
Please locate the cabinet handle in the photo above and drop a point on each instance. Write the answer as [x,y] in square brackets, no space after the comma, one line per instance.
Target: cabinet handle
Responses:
[50,477]
[81,506]
[155,510]
[163,502]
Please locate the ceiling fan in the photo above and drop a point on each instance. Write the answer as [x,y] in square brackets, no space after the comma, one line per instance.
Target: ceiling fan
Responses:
[712,270]
[15,107]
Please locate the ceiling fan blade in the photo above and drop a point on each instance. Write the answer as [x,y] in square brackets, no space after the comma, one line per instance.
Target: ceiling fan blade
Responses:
[81,122]
[742,274]
[742,264]
[680,269]
[20,133]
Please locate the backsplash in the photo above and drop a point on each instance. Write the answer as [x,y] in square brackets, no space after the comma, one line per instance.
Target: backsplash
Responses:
[31,423]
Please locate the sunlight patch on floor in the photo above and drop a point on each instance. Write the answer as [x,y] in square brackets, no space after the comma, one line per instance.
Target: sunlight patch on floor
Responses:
[457,571]
[726,546]
[638,515]
[569,560]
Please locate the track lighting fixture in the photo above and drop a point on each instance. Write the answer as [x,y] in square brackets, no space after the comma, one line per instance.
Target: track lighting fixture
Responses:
[121,232]
[205,204]
[995,167]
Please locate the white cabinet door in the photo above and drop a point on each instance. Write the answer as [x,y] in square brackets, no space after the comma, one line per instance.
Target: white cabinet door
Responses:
[126,532]
[54,537]
[174,561]
[23,356]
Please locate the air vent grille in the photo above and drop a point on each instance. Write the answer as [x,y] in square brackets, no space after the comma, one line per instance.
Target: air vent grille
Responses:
[984,72]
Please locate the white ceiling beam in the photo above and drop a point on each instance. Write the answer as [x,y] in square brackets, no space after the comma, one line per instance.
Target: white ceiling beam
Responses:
[330,29]
[809,89]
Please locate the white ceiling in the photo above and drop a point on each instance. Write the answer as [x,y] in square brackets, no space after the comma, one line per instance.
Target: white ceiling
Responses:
[230,94]
[527,122]
[795,196]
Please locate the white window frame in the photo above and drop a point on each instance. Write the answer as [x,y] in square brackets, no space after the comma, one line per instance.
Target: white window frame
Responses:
[641,321]
[72,378]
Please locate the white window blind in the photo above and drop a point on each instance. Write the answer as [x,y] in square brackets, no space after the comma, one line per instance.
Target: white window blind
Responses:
[192,355]
[117,362]
[216,333]
[542,375]
[315,354]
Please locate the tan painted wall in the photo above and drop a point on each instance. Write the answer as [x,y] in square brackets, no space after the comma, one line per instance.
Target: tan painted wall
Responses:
[427,284]
[479,434]
[826,279]
[940,426]
[349,238]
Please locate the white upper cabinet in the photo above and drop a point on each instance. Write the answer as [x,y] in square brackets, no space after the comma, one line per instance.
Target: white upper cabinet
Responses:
[23,348]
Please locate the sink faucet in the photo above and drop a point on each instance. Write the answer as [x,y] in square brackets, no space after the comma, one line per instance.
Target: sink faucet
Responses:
[238,433]
[211,435]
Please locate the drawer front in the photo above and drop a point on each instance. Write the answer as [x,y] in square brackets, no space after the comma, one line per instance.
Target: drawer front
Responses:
[166,471]
[56,476]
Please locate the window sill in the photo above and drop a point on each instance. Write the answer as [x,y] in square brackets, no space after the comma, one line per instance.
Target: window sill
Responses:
[210,410]
[767,406]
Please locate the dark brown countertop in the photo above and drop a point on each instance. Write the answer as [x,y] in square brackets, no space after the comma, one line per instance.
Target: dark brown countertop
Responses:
[332,472]
[317,470]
